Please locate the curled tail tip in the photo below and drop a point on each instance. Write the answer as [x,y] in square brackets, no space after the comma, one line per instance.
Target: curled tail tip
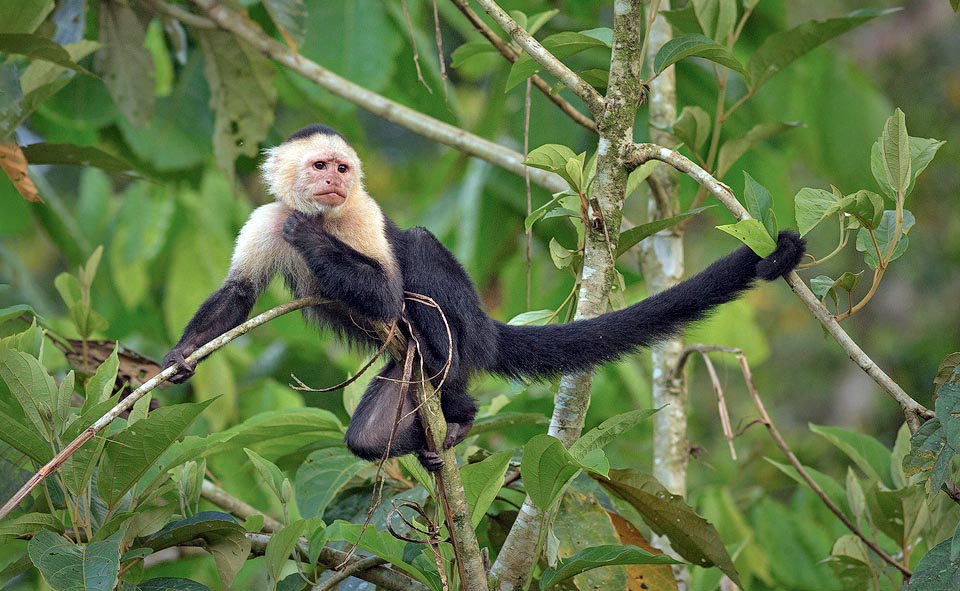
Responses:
[789,252]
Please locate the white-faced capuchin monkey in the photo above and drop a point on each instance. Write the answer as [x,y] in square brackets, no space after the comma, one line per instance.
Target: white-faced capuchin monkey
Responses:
[327,237]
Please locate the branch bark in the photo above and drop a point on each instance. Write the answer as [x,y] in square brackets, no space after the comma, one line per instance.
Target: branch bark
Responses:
[913,411]
[514,565]
[128,402]
[394,112]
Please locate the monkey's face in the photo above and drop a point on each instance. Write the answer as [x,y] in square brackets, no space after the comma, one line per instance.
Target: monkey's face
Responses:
[312,174]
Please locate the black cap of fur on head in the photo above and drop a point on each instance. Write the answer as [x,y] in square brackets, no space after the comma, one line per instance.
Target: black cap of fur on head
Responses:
[312,130]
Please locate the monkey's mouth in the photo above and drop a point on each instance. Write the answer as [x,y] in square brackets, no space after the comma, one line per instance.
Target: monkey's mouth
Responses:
[332,198]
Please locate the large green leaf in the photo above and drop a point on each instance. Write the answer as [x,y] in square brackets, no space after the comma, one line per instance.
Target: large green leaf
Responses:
[609,430]
[752,233]
[242,95]
[23,16]
[599,556]
[29,524]
[814,206]
[867,453]
[759,203]
[322,476]
[38,47]
[380,543]
[633,236]
[33,388]
[695,45]
[781,49]
[129,453]
[547,468]
[692,536]
[481,483]
[66,566]
[281,546]
[895,152]
[124,62]
[936,571]
[222,536]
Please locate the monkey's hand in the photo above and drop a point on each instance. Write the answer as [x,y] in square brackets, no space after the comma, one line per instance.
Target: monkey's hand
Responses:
[178,355]
[790,249]
[301,227]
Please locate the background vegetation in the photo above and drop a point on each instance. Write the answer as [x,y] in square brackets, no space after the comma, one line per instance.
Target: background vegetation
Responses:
[143,140]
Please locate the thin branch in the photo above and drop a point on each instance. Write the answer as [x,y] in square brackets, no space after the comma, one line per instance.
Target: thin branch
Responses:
[394,112]
[175,12]
[512,56]
[542,56]
[913,411]
[782,444]
[128,402]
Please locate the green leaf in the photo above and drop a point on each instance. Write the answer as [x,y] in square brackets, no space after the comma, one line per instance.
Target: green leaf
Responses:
[100,386]
[16,311]
[505,420]
[533,317]
[552,157]
[562,258]
[223,538]
[561,45]
[717,18]
[541,211]
[683,20]
[752,233]
[695,45]
[692,536]
[547,468]
[38,47]
[947,408]
[759,204]
[29,524]
[634,235]
[895,153]
[781,49]
[268,471]
[866,207]
[867,453]
[884,234]
[936,571]
[66,566]
[33,388]
[813,206]
[85,156]
[322,476]
[946,369]
[823,286]
[242,95]
[922,152]
[123,62]
[470,52]
[171,584]
[481,483]
[732,150]
[599,556]
[831,487]
[23,16]
[290,16]
[692,127]
[925,446]
[129,453]
[280,547]
[607,431]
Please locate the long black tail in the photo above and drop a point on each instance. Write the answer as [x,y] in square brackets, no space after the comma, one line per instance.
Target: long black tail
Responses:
[578,346]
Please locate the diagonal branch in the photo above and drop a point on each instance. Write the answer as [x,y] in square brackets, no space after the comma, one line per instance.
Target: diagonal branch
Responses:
[128,402]
[913,411]
[512,56]
[394,112]
[542,56]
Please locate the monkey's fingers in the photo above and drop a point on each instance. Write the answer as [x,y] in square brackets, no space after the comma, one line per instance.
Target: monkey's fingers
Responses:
[430,460]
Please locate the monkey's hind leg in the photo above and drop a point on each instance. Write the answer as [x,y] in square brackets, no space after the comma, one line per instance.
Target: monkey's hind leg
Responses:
[373,422]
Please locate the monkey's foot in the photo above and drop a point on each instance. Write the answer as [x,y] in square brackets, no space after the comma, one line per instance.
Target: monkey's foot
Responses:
[179,357]
[430,460]
[456,432]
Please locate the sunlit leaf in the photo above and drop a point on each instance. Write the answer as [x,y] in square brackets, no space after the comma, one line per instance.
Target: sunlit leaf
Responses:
[695,45]
[482,482]
[752,233]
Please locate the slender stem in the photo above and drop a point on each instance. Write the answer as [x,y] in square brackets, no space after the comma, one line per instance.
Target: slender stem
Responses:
[142,391]
[782,444]
[511,55]
[542,56]
[392,111]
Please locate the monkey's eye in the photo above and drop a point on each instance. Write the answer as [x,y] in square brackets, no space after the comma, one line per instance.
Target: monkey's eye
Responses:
[320,165]
[342,168]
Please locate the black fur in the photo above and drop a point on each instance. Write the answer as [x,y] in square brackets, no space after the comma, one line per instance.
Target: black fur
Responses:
[312,130]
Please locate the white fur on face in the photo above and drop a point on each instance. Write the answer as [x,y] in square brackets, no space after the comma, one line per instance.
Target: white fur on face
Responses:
[285,170]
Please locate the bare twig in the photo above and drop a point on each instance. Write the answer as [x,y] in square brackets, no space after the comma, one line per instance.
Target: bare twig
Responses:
[415,121]
[140,392]
[913,411]
[539,53]
[413,44]
[782,444]
[512,56]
